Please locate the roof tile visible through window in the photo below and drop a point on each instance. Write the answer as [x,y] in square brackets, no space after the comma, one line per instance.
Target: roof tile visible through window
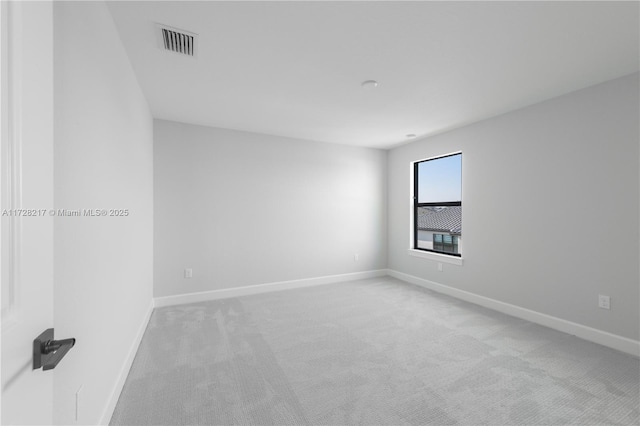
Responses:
[443,219]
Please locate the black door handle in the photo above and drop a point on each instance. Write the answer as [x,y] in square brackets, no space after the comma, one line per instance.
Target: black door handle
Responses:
[48,352]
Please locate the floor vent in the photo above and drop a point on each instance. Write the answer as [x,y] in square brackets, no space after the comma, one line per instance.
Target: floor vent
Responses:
[178,41]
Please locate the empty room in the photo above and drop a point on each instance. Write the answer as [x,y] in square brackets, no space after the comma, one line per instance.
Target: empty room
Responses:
[320,213]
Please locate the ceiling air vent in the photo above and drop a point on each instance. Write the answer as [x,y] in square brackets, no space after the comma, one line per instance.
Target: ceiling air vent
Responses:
[178,41]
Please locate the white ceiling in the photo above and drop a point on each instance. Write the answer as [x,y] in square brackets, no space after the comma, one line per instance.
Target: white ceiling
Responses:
[294,68]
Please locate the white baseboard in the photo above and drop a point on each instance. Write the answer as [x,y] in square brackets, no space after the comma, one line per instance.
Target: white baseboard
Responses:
[263,288]
[124,371]
[604,338]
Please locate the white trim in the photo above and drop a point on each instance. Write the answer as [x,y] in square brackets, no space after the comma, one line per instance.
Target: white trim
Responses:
[124,371]
[611,340]
[263,288]
[436,256]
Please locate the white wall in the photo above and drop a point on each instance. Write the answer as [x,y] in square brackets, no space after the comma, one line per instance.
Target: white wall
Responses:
[103,158]
[243,208]
[557,182]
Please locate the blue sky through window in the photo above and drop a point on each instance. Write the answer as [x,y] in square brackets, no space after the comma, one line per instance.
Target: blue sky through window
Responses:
[440,179]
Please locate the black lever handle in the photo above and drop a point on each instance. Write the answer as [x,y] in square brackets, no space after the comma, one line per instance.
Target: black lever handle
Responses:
[53,345]
[48,352]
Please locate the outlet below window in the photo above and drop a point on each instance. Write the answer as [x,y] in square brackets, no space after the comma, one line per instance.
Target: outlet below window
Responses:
[604,302]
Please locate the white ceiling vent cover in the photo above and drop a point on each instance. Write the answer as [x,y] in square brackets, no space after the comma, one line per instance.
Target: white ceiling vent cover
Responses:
[176,40]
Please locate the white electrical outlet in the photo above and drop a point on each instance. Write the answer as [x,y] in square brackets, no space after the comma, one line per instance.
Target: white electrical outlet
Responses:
[604,302]
[188,273]
[356,257]
[440,266]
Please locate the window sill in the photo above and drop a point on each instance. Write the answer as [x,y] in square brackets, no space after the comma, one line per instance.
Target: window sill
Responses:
[436,256]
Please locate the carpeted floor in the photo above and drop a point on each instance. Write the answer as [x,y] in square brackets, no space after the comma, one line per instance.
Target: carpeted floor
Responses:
[370,352]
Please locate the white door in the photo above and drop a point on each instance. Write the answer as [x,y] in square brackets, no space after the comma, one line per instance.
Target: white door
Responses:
[27,183]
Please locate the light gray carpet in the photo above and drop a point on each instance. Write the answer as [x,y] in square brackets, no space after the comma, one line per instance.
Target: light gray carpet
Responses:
[370,352]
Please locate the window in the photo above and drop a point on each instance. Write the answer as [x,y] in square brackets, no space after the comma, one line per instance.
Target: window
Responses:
[437,204]
[445,243]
